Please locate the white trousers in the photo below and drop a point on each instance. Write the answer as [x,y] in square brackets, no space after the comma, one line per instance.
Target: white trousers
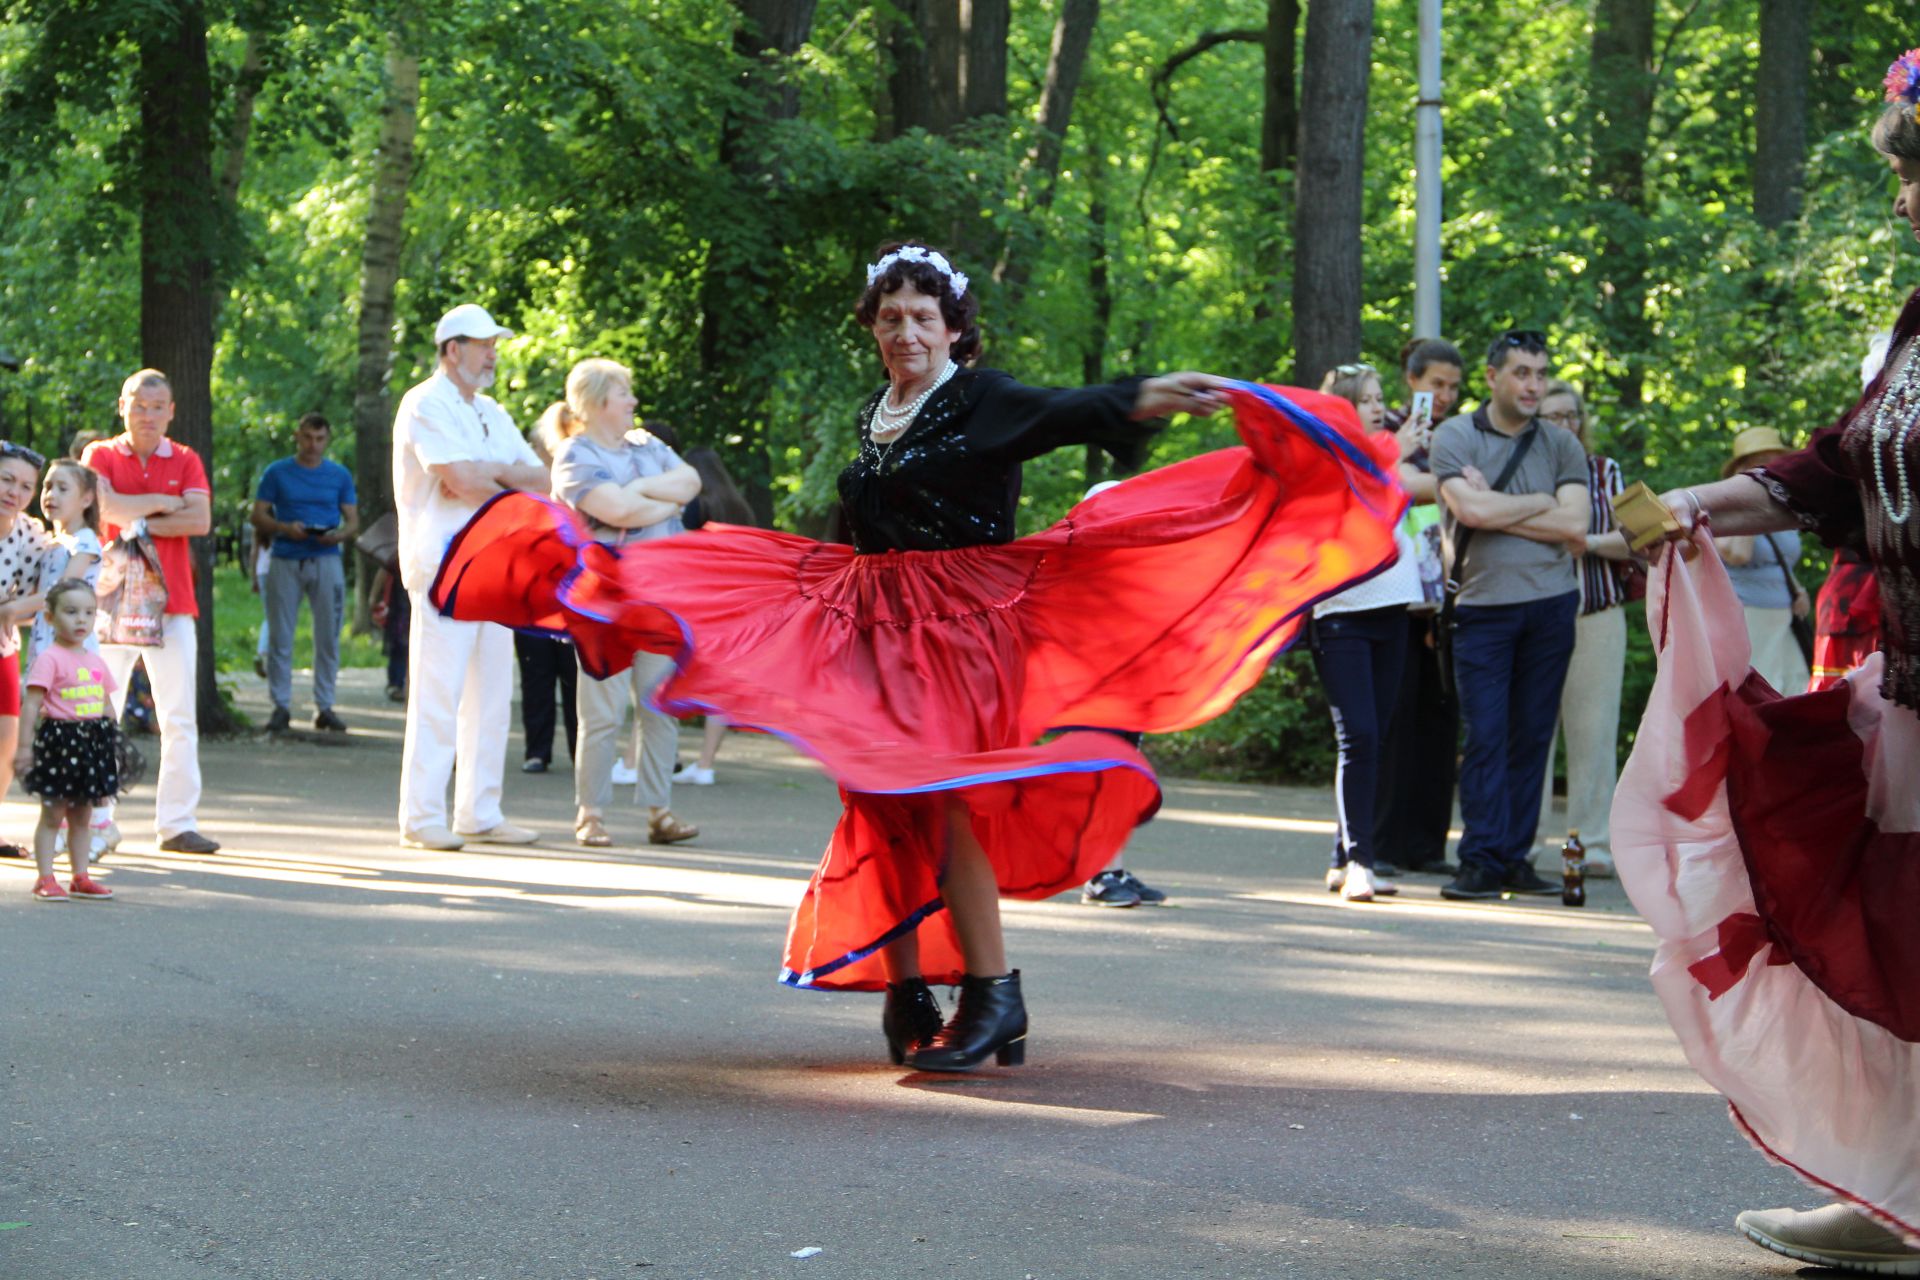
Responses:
[459,716]
[172,669]
[1590,728]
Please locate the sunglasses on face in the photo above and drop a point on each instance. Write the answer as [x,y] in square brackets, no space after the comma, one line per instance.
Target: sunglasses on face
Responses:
[8,449]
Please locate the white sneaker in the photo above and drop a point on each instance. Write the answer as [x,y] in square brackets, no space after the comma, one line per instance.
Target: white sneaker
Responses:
[431,837]
[1336,877]
[624,774]
[1835,1236]
[1360,885]
[693,775]
[502,833]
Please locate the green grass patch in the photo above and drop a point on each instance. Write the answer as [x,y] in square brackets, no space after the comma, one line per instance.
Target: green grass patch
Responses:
[238,613]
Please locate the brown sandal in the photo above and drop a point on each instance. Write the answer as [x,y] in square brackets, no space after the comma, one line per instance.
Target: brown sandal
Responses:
[592,833]
[664,828]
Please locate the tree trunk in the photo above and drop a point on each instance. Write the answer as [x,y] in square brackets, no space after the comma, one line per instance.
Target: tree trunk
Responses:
[1621,96]
[741,269]
[379,275]
[1093,363]
[908,96]
[179,231]
[1328,204]
[983,76]
[1780,110]
[253,75]
[1279,135]
[1066,62]
[946,44]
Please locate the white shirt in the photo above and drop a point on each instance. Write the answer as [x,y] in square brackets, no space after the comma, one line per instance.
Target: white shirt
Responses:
[1396,585]
[437,425]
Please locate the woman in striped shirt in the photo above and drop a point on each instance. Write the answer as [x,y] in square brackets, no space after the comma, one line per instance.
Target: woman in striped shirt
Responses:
[1590,698]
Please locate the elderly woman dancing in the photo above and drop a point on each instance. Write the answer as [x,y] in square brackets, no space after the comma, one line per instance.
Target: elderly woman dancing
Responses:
[1773,842]
[923,665]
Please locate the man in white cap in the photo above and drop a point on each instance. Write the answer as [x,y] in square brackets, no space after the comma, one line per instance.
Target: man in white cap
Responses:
[453,448]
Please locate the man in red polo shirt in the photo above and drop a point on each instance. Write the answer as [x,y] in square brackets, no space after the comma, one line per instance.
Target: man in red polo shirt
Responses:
[145,476]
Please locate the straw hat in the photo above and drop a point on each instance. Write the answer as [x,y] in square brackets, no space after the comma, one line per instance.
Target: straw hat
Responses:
[1756,446]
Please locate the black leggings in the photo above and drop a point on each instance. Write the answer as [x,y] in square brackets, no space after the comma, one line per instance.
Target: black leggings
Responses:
[1359,656]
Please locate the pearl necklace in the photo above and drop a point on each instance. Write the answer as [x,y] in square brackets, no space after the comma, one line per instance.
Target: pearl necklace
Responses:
[893,423]
[1906,392]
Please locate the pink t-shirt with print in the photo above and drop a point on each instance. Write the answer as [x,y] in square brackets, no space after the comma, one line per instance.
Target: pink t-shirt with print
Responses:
[75,683]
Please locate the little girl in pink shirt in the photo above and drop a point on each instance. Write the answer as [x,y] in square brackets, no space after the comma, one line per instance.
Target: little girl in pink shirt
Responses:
[72,758]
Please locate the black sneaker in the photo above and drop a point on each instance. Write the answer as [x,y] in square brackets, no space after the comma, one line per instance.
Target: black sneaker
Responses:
[1472,885]
[1110,889]
[1149,896]
[1436,867]
[1522,878]
[533,764]
[280,721]
[1385,870]
[329,721]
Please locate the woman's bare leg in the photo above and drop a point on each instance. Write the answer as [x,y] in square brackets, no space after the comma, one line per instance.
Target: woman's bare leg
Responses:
[972,894]
[710,742]
[900,959]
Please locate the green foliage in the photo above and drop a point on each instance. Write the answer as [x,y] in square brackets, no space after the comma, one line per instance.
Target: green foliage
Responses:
[595,171]
[237,616]
[1280,729]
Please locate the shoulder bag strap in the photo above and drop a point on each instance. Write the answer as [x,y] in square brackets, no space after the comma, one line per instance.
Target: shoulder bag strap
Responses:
[1465,539]
[1782,562]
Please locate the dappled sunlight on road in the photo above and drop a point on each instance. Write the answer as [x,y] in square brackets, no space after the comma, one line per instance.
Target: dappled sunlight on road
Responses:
[453,879]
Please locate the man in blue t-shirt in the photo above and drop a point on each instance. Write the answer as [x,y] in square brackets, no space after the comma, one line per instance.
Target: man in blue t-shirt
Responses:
[307,505]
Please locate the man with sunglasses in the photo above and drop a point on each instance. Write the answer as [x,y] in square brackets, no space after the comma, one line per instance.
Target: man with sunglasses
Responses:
[145,476]
[1514,507]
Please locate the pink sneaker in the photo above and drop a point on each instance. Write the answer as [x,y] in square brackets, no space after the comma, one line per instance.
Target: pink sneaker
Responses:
[87,889]
[47,889]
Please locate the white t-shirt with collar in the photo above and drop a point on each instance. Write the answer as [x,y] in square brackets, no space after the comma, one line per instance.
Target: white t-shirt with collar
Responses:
[437,425]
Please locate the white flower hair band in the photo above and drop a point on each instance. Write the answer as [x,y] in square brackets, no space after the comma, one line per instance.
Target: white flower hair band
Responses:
[920,253]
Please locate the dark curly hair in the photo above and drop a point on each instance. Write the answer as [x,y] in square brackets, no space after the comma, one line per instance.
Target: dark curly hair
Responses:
[961,314]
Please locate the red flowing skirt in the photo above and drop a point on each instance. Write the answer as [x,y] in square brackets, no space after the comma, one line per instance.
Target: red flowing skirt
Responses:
[1773,843]
[923,678]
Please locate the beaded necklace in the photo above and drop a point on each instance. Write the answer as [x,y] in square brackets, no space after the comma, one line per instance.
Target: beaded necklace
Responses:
[1899,402]
[893,423]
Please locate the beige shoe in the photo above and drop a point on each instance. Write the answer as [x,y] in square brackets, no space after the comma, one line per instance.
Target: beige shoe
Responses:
[1836,1236]
[431,837]
[502,833]
[592,832]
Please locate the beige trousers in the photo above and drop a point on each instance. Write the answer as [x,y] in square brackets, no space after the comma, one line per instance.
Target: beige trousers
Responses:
[603,710]
[1590,728]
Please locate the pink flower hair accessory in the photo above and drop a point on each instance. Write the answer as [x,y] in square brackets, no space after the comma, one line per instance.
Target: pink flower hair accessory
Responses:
[1903,81]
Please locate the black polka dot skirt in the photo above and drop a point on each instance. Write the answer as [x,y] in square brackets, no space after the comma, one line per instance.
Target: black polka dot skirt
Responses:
[79,760]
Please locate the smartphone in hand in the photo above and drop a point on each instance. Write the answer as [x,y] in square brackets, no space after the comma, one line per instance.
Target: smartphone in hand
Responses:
[1420,415]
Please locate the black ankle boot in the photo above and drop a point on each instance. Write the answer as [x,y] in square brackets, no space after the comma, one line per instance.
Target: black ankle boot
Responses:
[911,1018]
[990,1019]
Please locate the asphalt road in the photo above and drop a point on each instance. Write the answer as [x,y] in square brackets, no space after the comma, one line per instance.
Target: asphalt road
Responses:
[318,1055]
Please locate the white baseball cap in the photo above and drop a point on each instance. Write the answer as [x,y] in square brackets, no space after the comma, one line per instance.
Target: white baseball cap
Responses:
[468,320]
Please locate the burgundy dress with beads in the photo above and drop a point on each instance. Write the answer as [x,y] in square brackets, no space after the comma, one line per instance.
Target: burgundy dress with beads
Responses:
[1773,842]
[924,664]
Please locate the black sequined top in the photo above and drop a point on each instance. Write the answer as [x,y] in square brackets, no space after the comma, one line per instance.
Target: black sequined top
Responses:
[1832,487]
[953,480]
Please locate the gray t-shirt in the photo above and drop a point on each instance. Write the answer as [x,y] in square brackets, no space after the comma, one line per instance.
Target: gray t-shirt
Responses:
[583,465]
[1505,568]
[1759,582]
